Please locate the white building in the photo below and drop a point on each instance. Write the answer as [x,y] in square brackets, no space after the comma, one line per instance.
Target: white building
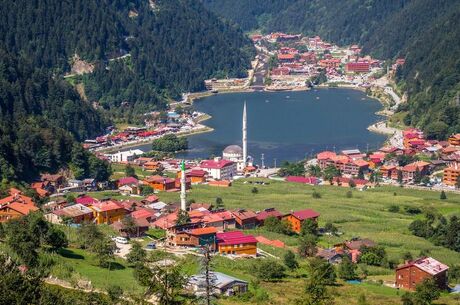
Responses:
[125,156]
[219,169]
[234,153]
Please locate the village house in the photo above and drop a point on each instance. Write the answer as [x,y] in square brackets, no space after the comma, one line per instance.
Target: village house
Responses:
[107,212]
[85,200]
[236,243]
[219,169]
[140,227]
[195,175]
[76,213]
[195,236]
[357,67]
[409,275]
[353,247]
[16,205]
[451,176]
[330,255]
[245,219]
[454,139]
[127,181]
[160,183]
[57,181]
[270,212]
[222,284]
[229,221]
[409,171]
[296,218]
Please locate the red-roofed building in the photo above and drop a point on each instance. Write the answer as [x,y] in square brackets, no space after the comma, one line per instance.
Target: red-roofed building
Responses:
[410,169]
[228,218]
[219,169]
[108,212]
[86,200]
[236,243]
[286,57]
[16,205]
[195,175]
[409,275]
[296,218]
[270,212]
[454,139]
[245,219]
[304,180]
[357,67]
[160,183]
[127,181]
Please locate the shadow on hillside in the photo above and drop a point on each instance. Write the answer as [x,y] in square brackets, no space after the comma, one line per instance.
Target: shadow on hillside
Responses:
[116,266]
[70,254]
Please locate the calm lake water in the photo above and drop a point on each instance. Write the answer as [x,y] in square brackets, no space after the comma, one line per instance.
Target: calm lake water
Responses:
[287,125]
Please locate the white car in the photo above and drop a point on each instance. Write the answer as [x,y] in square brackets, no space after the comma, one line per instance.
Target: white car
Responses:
[121,240]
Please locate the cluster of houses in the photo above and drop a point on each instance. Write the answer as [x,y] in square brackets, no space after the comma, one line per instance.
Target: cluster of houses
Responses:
[428,156]
[155,127]
[16,205]
[301,58]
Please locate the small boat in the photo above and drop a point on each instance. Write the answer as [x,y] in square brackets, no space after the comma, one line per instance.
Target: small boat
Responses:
[267,101]
[287,96]
[317,97]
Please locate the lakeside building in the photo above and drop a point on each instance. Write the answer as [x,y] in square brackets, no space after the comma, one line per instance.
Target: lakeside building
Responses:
[409,275]
[357,67]
[124,156]
[454,140]
[108,212]
[219,169]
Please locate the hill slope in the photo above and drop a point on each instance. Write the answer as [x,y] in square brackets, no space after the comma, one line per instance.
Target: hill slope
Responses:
[425,32]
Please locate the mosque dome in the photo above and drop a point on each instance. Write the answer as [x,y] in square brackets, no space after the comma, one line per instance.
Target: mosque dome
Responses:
[233,150]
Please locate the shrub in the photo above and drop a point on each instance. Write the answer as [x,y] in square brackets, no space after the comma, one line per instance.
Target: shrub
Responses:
[443,195]
[349,194]
[316,195]
[393,209]
[269,270]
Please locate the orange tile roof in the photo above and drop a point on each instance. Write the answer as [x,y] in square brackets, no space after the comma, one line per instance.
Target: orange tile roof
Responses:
[22,208]
[203,231]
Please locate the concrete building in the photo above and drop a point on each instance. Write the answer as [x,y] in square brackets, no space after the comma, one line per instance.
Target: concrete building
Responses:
[124,156]
[409,275]
[219,169]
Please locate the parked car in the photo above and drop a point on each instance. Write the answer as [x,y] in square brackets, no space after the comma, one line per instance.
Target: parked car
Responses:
[121,240]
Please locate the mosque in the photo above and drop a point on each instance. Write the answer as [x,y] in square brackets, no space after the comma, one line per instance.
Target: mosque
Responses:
[237,154]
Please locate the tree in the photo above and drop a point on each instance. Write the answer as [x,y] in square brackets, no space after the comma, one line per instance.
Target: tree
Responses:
[316,291]
[400,176]
[114,292]
[407,256]
[349,194]
[322,270]
[307,245]
[330,172]
[137,254]
[329,227]
[273,224]
[347,270]
[129,171]
[182,218]
[314,170]
[163,282]
[56,239]
[315,194]
[290,260]
[146,190]
[130,226]
[309,227]
[417,176]
[426,292]
[269,270]
[443,195]
[104,250]
[352,183]
[219,203]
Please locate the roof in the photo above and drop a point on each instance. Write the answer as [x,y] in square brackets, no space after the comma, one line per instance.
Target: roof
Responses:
[327,253]
[203,231]
[233,149]
[166,222]
[157,205]
[305,214]
[73,210]
[271,212]
[152,198]
[212,218]
[159,179]
[361,163]
[300,179]
[142,213]
[22,208]
[127,180]
[326,155]
[213,164]
[357,244]
[197,173]
[219,280]
[412,167]
[244,214]
[234,238]
[196,206]
[17,198]
[427,264]
[105,206]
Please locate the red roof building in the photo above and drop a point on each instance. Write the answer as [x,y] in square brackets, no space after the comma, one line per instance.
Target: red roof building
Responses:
[304,180]
[270,212]
[236,243]
[357,67]
[409,275]
[296,218]
[245,219]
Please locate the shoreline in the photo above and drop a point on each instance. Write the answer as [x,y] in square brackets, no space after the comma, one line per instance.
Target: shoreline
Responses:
[379,127]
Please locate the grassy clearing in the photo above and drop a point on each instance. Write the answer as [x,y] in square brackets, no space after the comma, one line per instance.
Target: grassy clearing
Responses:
[365,215]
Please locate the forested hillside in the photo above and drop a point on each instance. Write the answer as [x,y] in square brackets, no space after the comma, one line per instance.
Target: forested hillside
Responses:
[174,45]
[424,32]
[143,52]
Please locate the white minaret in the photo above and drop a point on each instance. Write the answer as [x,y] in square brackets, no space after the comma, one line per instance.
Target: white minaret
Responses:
[245,137]
[183,181]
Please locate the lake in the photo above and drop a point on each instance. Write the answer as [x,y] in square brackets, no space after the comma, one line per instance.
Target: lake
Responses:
[287,125]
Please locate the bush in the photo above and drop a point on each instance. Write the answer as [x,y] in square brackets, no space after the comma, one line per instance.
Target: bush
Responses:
[349,194]
[393,209]
[254,190]
[290,261]
[269,270]
[443,195]
[316,195]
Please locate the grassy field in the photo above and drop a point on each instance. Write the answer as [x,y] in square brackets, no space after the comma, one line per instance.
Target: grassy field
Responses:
[364,215]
